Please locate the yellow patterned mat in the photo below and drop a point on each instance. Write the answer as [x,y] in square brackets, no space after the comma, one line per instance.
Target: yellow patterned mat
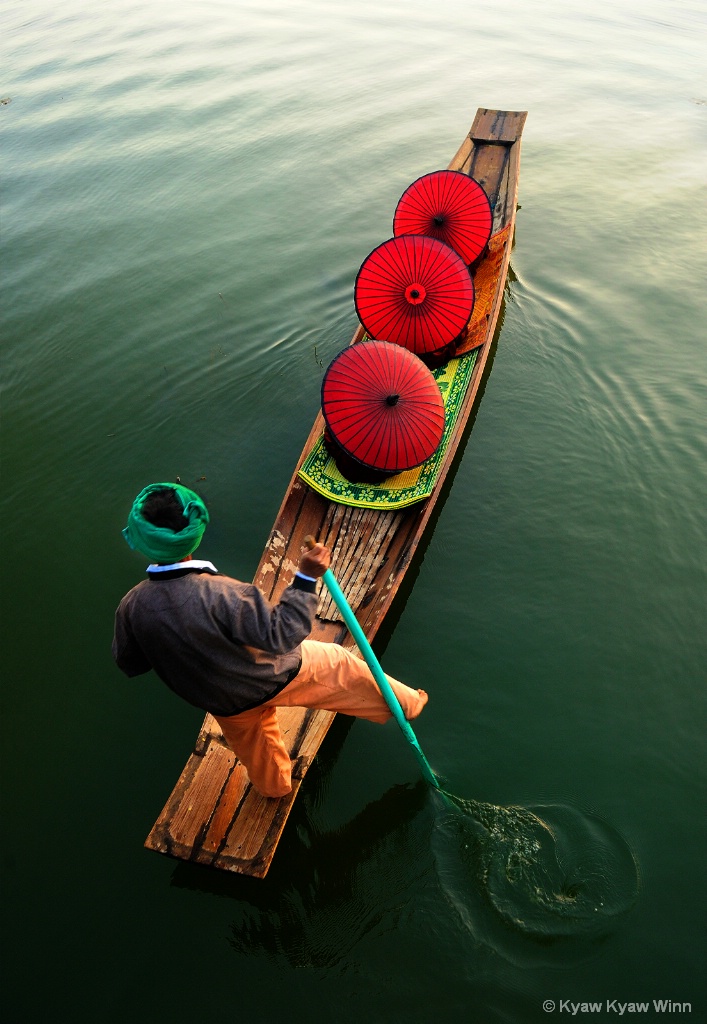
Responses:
[320,471]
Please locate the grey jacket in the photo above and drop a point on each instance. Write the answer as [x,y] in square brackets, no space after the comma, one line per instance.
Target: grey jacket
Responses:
[216,642]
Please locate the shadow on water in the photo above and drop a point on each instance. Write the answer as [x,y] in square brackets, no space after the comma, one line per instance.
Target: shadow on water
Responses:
[326,892]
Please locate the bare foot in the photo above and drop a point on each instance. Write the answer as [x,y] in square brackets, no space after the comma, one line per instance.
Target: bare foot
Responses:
[424,697]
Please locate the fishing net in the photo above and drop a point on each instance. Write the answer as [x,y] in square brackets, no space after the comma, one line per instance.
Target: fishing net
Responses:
[550,872]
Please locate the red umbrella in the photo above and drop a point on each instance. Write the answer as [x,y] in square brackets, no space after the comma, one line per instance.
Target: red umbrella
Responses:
[414,291]
[448,205]
[382,406]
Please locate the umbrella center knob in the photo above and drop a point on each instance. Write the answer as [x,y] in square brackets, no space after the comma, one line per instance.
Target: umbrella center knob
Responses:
[415,294]
[438,220]
[392,399]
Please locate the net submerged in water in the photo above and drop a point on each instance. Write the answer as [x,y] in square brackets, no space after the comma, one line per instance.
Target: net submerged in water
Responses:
[549,872]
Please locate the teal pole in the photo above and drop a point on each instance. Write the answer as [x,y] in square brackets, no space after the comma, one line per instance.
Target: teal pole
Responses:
[378,674]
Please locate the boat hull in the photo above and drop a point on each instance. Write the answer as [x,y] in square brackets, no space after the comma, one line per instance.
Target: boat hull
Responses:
[214,816]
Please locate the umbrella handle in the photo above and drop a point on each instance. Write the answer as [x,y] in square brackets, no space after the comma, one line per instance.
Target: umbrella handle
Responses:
[374,665]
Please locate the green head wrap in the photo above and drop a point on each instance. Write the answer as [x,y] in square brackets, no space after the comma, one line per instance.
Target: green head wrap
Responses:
[158,542]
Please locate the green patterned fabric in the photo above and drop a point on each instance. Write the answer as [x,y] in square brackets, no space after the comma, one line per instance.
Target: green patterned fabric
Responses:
[320,472]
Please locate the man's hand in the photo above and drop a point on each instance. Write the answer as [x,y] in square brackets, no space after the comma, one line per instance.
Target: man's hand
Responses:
[315,561]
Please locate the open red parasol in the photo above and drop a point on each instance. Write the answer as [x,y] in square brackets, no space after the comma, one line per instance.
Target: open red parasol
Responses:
[414,291]
[382,406]
[448,205]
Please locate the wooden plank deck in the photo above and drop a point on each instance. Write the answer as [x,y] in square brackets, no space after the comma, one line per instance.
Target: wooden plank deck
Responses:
[213,815]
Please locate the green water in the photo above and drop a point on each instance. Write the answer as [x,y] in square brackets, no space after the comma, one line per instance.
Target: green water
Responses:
[188,191]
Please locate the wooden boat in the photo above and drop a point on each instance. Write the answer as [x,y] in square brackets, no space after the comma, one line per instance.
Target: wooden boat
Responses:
[214,816]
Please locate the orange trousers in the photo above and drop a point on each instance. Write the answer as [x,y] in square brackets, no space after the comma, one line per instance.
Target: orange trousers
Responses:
[330,679]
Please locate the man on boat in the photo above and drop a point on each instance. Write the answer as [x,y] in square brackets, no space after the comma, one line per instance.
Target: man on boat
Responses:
[223,647]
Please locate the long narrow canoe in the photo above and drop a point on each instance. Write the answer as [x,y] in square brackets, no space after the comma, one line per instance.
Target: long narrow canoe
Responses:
[213,815]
